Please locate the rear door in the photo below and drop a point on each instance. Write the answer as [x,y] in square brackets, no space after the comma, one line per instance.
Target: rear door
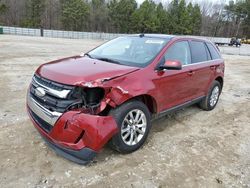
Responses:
[201,68]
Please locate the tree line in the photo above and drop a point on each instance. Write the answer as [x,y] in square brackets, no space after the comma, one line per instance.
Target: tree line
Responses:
[127,16]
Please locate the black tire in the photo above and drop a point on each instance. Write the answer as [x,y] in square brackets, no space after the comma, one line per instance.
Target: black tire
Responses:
[205,103]
[120,113]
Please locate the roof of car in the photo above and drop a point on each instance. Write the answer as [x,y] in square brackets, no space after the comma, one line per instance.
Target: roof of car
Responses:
[170,36]
[153,35]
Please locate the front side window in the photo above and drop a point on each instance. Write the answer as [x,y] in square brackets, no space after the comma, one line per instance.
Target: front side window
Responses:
[179,52]
[132,50]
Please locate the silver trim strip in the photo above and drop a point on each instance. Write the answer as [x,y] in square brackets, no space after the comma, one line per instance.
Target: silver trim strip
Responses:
[198,63]
[45,114]
[61,94]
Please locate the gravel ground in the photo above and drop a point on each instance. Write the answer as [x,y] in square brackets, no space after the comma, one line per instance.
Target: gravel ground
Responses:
[243,50]
[191,148]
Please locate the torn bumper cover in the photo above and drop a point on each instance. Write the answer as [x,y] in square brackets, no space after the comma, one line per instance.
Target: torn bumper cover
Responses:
[82,156]
[75,135]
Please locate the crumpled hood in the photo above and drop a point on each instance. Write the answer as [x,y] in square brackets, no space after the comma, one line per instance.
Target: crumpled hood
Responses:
[76,70]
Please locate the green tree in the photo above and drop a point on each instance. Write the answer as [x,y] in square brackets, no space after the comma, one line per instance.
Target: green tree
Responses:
[98,17]
[173,17]
[196,18]
[183,18]
[144,19]
[246,22]
[3,8]
[162,16]
[239,15]
[74,14]
[120,13]
[190,18]
[34,12]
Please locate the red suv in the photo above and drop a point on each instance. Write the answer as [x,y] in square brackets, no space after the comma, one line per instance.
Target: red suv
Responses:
[111,94]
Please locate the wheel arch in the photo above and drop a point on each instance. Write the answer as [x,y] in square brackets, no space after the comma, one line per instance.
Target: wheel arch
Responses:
[146,99]
[149,101]
[220,80]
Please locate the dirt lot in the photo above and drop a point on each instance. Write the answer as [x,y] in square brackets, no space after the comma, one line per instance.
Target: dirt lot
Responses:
[191,148]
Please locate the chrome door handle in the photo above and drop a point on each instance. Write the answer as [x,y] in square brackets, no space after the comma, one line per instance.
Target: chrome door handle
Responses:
[190,73]
[212,67]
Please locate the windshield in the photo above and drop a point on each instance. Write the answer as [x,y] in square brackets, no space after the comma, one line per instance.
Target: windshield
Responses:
[132,51]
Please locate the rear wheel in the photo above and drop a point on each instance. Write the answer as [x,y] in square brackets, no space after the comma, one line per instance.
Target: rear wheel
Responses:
[133,121]
[211,100]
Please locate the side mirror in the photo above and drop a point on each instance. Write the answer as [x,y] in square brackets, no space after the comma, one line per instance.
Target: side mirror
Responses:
[171,65]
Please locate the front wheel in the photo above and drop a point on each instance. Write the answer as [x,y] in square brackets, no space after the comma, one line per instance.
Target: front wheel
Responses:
[134,122]
[212,98]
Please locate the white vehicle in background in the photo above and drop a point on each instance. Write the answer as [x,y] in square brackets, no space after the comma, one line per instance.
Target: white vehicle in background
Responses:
[226,41]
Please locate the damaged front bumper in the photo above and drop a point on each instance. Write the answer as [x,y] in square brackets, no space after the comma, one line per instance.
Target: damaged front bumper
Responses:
[74,134]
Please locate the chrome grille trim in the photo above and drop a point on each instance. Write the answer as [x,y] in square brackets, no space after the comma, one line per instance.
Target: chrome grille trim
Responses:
[45,114]
[61,94]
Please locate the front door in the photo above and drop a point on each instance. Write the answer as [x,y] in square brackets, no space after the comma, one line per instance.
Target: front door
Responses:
[175,86]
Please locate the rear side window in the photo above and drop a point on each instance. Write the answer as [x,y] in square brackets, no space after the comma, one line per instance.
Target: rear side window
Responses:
[214,53]
[198,51]
[179,51]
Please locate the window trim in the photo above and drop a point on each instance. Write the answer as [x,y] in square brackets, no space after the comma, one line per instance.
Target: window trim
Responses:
[208,51]
[201,62]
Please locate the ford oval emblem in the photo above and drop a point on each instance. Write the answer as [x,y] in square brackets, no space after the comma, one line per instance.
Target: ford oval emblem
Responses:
[40,92]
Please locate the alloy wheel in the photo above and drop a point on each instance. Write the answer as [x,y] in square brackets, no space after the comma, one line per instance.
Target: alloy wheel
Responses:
[214,96]
[133,127]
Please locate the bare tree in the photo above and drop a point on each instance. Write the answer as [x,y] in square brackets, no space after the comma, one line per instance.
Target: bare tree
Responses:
[15,13]
[51,16]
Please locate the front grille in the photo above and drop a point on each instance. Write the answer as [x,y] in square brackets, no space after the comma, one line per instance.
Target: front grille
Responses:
[43,124]
[52,84]
[50,101]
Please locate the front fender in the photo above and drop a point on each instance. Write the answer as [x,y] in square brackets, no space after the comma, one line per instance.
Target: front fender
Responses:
[128,88]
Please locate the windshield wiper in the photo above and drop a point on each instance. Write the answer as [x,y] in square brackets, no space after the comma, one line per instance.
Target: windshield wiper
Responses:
[87,54]
[109,60]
